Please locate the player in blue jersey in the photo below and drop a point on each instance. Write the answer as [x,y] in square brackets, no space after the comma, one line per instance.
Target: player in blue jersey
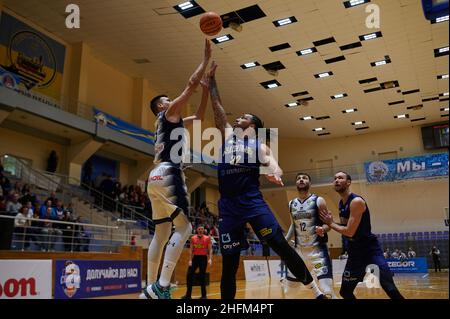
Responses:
[309,235]
[241,201]
[166,184]
[364,251]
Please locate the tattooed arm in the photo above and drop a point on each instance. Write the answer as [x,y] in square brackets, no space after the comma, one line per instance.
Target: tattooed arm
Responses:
[220,116]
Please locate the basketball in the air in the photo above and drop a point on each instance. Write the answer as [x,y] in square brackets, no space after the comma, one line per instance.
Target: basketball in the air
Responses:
[210,23]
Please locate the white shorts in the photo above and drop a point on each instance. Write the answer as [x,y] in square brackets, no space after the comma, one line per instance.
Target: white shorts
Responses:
[317,260]
[167,192]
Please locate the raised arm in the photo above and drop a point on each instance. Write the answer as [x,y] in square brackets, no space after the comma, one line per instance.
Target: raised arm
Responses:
[220,117]
[357,209]
[173,113]
[200,114]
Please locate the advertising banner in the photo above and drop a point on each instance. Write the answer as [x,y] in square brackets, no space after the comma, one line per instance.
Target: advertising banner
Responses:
[31,63]
[256,270]
[25,279]
[76,279]
[427,166]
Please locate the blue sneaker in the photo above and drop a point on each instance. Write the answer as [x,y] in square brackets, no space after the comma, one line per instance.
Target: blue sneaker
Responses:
[155,291]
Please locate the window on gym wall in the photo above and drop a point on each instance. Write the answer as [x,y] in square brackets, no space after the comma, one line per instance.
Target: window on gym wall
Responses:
[11,166]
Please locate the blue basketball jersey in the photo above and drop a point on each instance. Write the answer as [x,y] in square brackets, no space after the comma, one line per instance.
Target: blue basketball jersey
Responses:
[363,233]
[163,142]
[239,168]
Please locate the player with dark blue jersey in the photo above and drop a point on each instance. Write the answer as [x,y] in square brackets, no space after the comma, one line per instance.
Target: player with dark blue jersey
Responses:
[364,251]
[166,184]
[241,201]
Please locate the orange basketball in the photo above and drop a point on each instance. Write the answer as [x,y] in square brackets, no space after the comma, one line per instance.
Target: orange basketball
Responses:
[210,23]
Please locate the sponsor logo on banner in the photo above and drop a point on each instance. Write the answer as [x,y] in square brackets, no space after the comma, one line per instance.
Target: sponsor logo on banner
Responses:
[255,270]
[413,265]
[25,279]
[70,279]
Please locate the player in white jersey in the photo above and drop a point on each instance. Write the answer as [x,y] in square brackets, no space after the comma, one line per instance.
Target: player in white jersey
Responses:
[309,235]
[166,184]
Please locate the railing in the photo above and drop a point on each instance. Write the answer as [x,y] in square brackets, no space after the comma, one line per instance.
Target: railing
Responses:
[73,236]
[68,188]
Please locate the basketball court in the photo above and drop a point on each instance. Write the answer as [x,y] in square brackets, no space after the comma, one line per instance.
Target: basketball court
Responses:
[420,286]
[352,86]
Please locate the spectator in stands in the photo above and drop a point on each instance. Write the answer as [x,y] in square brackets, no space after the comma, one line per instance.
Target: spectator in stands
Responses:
[70,211]
[21,227]
[411,253]
[402,256]
[5,184]
[387,253]
[43,209]
[48,230]
[35,229]
[436,254]
[67,232]
[99,179]
[7,224]
[87,173]
[28,195]
[52,162]
[107,188]
[60,216]
[13,207]
[82,238]
[53,199]
[395,254]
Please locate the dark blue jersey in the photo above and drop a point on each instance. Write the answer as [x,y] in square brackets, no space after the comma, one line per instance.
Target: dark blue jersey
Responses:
[163,142]
[363,233]
[239,167]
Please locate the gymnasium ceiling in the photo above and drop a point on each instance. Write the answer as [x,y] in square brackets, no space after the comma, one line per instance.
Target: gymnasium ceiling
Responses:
[120,31]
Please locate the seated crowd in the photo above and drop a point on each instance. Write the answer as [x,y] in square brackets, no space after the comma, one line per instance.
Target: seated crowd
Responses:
[21,202]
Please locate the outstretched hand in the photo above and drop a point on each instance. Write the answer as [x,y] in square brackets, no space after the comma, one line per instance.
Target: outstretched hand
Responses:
[320,231]
[206,79]
[275,179]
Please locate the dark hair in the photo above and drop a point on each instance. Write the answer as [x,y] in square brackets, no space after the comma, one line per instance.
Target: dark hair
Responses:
[154,103]
[298,174]
[257,121]
[347,175]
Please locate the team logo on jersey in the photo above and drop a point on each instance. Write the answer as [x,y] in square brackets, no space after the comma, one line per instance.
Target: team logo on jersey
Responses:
[70,279]
[226,238]
[378,170]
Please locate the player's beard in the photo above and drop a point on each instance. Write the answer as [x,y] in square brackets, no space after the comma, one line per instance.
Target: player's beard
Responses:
[304,188]
[340,189]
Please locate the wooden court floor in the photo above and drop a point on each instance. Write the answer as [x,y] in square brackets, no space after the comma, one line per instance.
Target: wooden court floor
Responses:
[412,286]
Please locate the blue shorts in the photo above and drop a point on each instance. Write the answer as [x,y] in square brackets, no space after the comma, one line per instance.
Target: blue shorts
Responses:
[235,212]
[361,256]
